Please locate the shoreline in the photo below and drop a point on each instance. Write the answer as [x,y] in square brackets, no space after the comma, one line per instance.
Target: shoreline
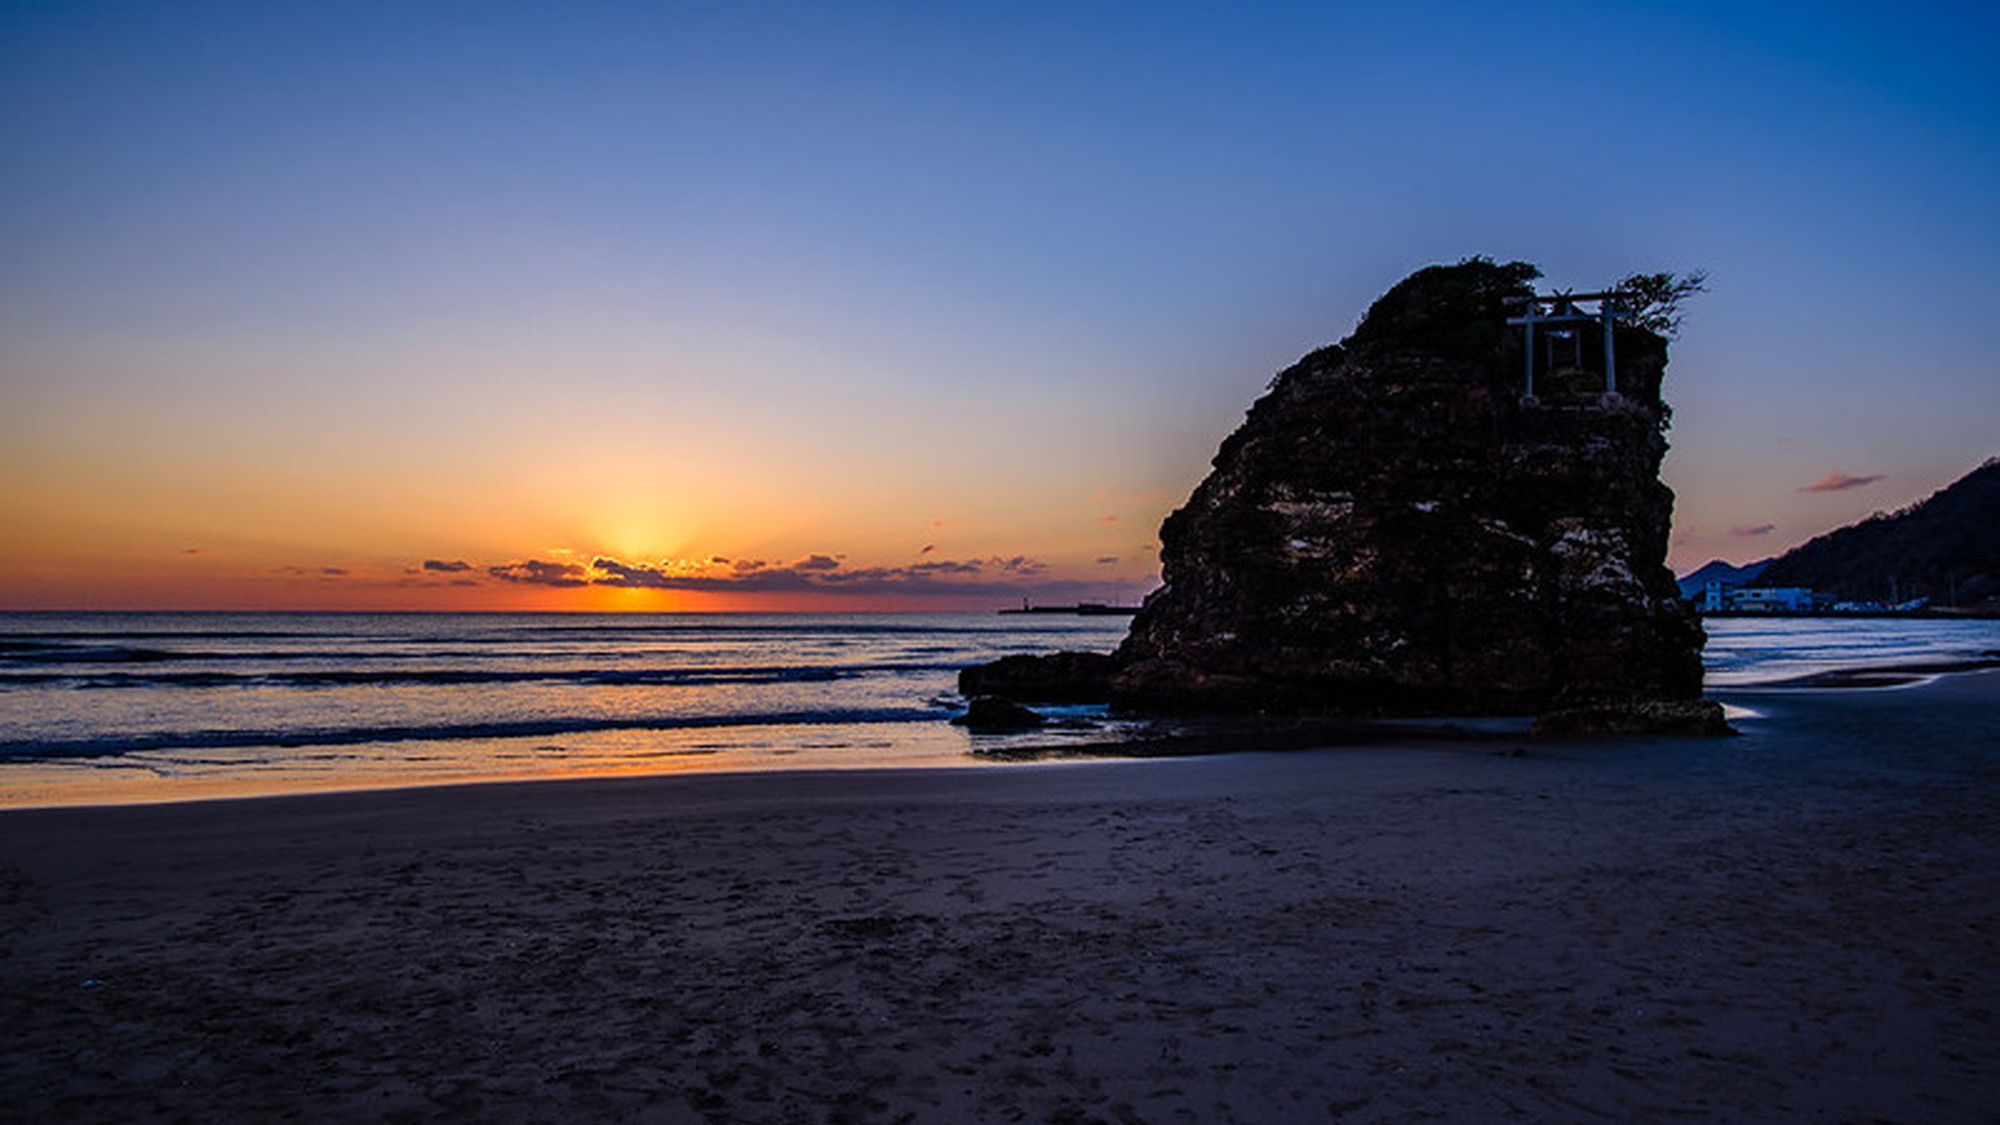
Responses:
[1800,923]
[1879,676]
[1195,737]
[1943,613]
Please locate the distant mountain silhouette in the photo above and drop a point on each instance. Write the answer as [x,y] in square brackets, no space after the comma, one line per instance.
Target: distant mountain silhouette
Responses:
[1946,546]
[1715,570]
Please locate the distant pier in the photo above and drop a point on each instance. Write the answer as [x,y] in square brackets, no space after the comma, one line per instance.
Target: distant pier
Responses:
[1080,609]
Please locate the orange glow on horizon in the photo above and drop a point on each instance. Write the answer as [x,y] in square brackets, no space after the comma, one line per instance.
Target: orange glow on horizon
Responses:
[410,589]
[421,546]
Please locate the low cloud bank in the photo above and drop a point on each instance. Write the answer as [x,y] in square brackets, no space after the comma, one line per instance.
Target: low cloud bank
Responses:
[996,576]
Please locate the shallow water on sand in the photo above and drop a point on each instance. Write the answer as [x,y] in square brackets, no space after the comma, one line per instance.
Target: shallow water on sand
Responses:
[287,701]
[1753,650]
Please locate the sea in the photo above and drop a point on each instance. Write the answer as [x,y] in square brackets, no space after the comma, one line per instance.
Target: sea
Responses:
[115,707]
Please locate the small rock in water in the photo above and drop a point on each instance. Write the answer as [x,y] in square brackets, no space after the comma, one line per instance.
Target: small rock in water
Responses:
[990,712]
[1057,677]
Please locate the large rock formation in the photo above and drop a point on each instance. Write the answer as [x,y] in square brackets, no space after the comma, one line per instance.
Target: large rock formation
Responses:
[1396,529]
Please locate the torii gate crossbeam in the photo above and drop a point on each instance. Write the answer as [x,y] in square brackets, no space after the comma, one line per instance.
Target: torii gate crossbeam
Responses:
[1562,310]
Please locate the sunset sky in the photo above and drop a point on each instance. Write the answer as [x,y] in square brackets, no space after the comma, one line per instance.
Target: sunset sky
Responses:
[872,305]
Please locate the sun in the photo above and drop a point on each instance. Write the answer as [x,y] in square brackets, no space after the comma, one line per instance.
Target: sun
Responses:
[638,532]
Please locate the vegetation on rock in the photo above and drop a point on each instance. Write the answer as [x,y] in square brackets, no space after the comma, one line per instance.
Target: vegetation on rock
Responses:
[1653,300]
[1456,311]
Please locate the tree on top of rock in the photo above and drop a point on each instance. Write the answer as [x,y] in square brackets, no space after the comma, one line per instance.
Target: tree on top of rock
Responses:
[1457,311]
[1653,300]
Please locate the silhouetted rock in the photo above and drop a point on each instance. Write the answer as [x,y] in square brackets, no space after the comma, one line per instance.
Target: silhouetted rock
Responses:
[990,712]
[1062,677]
[1396,530]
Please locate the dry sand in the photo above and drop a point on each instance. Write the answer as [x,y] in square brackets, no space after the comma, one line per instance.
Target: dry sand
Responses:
[1802,924]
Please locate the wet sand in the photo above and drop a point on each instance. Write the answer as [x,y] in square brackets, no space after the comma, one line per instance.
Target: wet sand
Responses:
[1800,924]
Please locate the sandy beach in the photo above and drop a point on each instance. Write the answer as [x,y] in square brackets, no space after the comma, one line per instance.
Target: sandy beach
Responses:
[1800,924]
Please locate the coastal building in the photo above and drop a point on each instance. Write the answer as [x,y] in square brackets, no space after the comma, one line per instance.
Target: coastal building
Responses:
[1775,599]
[1725,597]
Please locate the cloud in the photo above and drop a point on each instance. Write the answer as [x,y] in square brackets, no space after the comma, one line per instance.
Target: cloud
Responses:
[1748,531]
[1002,577]
[821,573]
[1840,482]
[607,571]
[447,566]
[1107,560]
[611,572]
[944,566]
[320,572]
[541,572]
[1110,519]
[743,576]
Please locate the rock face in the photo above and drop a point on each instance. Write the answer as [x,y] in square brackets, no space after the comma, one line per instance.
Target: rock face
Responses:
[1395,529]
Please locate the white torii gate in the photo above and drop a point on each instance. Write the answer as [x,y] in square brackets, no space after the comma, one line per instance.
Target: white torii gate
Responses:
[1561,309]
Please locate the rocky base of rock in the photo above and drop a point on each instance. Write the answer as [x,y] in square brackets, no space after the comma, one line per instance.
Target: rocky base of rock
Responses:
[998,690]
[992,713]
[1697,718]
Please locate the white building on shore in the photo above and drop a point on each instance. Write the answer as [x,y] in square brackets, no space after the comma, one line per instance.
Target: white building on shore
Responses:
[1722,597]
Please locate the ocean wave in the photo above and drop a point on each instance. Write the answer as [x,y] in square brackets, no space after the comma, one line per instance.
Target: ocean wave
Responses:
[71,636]
[426,677]
[112,745]
[48,652]
[680,630]
[38,654]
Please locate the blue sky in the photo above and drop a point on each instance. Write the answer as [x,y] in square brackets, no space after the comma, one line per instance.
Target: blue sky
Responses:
[347,286]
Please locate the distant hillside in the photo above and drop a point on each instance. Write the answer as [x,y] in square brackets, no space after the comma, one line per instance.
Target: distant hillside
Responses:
[1950,542]
[1715,570]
